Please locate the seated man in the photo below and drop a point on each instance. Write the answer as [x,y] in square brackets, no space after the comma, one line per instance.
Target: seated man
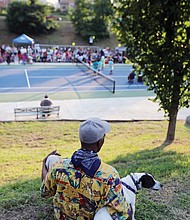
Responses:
[131,77]
[84,184]
[46,102]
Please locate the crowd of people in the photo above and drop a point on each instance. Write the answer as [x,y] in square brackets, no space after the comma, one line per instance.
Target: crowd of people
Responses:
[32,54]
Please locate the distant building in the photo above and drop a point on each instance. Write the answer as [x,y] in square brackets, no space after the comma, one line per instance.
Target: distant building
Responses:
[54,3]
[65,5]
[4,3]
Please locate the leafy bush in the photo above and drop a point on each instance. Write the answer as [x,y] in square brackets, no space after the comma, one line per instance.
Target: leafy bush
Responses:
[92,19]
[30,18]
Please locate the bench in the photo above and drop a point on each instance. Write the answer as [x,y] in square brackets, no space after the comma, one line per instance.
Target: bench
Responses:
[48,110]
[37,111]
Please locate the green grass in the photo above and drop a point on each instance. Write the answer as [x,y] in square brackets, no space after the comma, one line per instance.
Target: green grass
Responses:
[130,147]
[64,35]
[67,95]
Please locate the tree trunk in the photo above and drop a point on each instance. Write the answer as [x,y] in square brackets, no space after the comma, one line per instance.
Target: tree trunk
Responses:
[172,125]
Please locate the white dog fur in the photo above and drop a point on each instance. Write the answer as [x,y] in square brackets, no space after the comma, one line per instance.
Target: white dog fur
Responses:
[131,184]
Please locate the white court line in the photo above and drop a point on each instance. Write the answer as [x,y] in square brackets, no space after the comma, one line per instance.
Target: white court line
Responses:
[27,79]
[49,87]
[55,76]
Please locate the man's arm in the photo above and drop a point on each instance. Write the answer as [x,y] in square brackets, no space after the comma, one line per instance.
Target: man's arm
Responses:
[118,207]
[51,102]
[41,103]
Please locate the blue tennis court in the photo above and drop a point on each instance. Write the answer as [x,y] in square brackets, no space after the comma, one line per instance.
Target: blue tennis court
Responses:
[47,78]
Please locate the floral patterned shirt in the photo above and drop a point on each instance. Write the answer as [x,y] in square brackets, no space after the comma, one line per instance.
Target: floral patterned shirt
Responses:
[79,197]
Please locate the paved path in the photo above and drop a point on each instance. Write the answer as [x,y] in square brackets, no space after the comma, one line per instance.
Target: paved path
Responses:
[113,109]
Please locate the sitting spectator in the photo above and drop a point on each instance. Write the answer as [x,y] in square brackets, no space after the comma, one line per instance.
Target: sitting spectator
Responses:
[46,102]
[24,58]
[60,54]
[83,184]
[8,58]
[131,77]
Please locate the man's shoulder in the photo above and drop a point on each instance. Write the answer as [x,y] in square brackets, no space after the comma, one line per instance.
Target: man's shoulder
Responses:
[106,165]
[63,162]
[107,171]
[46,102]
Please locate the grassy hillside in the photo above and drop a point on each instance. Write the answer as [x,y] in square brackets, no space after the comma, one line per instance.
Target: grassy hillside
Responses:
[130,147]
[63,36]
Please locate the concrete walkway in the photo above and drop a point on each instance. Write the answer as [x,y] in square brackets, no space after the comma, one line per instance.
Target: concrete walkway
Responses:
[111,109]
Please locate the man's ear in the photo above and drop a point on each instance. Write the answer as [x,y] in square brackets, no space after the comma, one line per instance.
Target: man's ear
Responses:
[99,144]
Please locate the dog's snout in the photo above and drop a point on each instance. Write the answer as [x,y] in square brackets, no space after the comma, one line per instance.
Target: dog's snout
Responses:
[157,186]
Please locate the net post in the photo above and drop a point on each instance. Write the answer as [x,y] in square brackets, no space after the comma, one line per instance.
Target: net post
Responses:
[114,87]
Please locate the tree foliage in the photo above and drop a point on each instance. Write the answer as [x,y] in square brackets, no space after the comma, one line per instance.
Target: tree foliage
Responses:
[91,18]
[157,36]
[29,17]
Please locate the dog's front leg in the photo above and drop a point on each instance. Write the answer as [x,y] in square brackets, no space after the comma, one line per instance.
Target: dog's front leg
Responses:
[133,214]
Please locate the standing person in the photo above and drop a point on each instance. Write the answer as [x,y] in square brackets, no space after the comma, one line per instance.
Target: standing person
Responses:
[95,65]
[99,65]
[46,102]
[84,184]
[111,66]
[91,40]
[103,62]
[89,59]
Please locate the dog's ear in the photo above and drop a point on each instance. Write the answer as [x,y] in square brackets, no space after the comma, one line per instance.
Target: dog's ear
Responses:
[147,181]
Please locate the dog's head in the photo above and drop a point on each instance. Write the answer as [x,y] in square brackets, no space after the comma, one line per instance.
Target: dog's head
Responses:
[146,180]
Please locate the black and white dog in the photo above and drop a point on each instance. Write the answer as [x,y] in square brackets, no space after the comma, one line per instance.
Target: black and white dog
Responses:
[131,184]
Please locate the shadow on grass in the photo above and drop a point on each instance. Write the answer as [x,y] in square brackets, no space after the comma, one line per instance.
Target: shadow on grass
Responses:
[158,161]
[22,200]
[168,167]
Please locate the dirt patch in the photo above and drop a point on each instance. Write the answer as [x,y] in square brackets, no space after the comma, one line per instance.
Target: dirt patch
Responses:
[172,195]
[28,212]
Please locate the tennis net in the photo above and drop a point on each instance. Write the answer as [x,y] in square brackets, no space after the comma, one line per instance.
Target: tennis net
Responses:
[99,77]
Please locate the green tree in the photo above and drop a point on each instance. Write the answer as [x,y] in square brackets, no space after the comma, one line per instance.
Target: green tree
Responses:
[156,34]
[92,18]
[29,17]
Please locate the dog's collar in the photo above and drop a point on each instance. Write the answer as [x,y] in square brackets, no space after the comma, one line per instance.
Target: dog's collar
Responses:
[135,182]
[129,188]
